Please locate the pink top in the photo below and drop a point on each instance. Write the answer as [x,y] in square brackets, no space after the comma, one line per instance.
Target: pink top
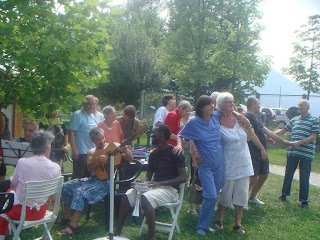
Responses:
[112,135]
[35,168]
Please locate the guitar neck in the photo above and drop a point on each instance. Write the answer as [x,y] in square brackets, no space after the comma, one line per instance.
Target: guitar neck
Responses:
[129,139]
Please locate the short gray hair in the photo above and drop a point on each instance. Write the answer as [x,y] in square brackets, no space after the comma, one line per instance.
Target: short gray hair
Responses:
[40,140]
[108,109]
[96,131]
[221,98]
[214,95]
[184,104]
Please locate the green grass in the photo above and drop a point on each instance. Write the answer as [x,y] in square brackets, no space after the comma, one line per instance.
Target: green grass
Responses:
[272,221]
[277,156]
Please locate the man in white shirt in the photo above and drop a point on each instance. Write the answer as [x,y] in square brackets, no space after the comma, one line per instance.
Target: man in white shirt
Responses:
[168,104]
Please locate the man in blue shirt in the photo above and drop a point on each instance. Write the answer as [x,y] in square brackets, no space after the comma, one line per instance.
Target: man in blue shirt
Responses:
[81,122]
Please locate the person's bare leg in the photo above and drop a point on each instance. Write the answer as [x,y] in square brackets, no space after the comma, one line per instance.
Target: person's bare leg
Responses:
[253,180]
[258,185]
[75,219]
[125,209]
[66,211]
[221,209]
[238,215]
[74,223]
[150,215]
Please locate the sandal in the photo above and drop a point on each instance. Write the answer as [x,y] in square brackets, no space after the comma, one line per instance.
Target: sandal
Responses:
[219,225]
[239,229]
[62,221]
[65,232]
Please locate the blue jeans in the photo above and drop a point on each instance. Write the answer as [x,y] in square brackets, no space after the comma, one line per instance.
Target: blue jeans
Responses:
[211,183]
[305,169]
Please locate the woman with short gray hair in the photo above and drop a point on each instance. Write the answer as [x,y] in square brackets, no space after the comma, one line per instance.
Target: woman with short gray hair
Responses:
[40,141]
[235,132]
[35,168]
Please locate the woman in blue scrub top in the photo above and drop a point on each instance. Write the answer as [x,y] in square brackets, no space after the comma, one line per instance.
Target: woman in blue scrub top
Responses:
[204,130]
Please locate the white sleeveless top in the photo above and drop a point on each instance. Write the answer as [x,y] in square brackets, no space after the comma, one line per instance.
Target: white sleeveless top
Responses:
[237,159]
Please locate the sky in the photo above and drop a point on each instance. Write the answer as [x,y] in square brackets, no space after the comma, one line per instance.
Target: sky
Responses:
[281,18]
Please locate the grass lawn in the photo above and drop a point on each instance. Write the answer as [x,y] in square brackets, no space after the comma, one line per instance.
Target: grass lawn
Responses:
[272,221]
[277,156]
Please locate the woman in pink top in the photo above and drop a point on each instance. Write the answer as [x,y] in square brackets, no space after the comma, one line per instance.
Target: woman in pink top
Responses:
[111,127]
[45,169]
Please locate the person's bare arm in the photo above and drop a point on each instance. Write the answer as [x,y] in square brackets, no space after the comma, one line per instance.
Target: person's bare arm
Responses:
[274,136]
[280,131]
[126,154]
[310,139]
[72,140]
[258,144]
[181,178]
[179,148]
[101,161]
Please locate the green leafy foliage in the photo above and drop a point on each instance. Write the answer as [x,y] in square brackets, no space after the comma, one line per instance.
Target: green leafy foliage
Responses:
[304,66]
[51,52]
[136,35]
[215,44]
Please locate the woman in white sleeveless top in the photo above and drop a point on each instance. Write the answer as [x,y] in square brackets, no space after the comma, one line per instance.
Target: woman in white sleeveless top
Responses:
[237,166]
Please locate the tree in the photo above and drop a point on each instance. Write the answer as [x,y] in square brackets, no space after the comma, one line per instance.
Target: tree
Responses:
[215,43]
[135,39]
[51,51]
[304,67]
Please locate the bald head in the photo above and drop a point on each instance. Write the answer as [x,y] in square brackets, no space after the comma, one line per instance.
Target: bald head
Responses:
[303,107]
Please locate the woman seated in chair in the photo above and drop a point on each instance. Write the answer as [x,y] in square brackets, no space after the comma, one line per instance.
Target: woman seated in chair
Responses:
[45,169]
[91,190]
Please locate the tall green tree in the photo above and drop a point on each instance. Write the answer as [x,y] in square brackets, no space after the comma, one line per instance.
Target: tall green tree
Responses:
[215,43]
[135,39]
[50,52]
[304,66]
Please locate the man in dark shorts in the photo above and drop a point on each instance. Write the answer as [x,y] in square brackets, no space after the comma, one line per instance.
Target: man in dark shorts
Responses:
[258,152]
[168,172]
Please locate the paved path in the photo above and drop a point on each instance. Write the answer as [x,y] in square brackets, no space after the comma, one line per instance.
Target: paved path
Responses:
[279,170]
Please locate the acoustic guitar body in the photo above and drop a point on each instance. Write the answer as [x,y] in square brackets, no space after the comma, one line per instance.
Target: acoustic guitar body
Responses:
[101,172]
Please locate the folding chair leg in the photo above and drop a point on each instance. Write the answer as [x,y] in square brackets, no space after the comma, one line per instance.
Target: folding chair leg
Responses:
[173,215]
[46,232]
[142,225]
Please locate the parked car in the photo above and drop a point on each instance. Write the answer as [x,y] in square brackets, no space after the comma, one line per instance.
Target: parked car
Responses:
[267,115]
[281,118]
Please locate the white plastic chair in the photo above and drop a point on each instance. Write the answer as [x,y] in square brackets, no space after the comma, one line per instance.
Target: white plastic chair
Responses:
[175,208]
[38,189]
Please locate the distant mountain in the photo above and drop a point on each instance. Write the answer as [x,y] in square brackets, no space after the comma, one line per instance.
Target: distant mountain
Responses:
[276,80]
[272,85]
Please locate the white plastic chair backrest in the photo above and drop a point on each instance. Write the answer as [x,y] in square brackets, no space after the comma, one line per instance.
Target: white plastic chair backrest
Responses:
[40,189]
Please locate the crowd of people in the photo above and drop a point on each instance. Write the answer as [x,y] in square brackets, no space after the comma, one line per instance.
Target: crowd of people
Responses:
[222,146]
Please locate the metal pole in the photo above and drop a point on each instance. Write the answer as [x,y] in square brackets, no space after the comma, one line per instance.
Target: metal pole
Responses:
[111,197]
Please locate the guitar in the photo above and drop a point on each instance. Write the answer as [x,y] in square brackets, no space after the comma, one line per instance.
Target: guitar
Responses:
[112,150]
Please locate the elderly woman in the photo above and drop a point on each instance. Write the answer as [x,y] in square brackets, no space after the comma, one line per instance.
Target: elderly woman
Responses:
[45,169]
[111,127]
[237,165]
[129,123]
[204,130]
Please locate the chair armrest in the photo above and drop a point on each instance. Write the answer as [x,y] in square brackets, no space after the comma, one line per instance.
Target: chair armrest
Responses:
[133,177]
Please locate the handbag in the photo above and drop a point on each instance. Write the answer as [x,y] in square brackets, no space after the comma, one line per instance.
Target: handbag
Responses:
[195,191]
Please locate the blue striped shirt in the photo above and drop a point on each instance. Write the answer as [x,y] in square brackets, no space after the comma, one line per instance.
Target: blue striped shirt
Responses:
[302,128]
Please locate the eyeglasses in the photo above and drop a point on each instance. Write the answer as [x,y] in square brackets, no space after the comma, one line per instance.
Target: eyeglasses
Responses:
[230,101]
